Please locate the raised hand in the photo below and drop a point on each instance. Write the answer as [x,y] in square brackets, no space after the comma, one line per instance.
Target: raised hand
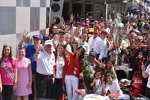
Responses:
[20,44]
[94,80]
[140,55]
[25,34]
[54,20]
[143,67]
[112,69]
[38,49]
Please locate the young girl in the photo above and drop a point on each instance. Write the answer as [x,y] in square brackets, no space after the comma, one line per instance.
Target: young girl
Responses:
[98,83]
[110,68]
[113,87]
[8,73]
[24,76]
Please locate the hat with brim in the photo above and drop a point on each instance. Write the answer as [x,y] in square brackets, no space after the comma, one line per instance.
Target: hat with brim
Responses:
[61,31]
[55,27]
[48,42]
[96,21]
[104,32]
[37,37]
[93,53]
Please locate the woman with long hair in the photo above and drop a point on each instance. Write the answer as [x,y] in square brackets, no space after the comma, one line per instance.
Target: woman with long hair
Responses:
[73,70]
[61,62]
[8,72]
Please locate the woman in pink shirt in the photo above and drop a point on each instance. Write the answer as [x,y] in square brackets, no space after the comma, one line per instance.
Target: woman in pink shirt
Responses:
[8,73]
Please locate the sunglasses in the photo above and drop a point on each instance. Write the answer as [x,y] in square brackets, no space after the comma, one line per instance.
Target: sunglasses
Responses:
[48,45]
[74,43]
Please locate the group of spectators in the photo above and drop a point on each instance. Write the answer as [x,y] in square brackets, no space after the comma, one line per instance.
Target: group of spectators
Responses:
[77,56]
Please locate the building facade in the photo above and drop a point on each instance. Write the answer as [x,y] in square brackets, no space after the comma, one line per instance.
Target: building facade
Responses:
[95,8]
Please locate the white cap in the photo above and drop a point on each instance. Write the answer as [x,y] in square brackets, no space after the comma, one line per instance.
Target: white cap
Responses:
[48,42]
[96,21]
[87,19]
[54,26]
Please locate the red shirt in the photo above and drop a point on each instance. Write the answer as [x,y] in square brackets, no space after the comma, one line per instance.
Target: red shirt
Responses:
[73,66]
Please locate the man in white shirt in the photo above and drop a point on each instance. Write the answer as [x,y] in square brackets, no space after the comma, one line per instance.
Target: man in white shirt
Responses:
[103,46]
[62,40]
[83,42]
[94,42]
[45,71]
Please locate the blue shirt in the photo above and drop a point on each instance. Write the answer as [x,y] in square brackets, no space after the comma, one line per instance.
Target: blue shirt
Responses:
[30,50]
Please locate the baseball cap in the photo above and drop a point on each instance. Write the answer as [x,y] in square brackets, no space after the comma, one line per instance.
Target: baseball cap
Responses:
[87,19]
[61,31]
[96,21]
[55,27]
[48,42]
[36,37]
[104,31]
[93,53]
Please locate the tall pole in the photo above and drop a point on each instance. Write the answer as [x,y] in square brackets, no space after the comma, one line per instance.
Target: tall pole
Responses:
[84,10]
[106,10]
[50,14]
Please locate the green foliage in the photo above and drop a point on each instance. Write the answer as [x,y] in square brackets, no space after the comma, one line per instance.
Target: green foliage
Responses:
[88,72]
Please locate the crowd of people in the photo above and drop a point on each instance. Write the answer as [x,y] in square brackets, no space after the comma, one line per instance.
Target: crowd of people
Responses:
[78,55]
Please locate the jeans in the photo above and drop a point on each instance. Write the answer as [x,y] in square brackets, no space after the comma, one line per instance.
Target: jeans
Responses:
[72,83]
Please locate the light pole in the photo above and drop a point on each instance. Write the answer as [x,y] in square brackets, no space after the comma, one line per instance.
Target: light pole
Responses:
[85,10]
[106,10]
[125,2]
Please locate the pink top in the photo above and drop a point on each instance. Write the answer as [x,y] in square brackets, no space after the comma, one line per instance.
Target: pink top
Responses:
[6,79]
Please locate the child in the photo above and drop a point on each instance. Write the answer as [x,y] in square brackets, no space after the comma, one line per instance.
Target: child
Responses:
[110,68]
[97,83]
[113,87]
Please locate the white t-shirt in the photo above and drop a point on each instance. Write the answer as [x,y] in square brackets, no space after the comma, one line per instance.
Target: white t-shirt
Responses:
[94,44]
[60,63]
[98,87]
[84,44]
[103,49]
[114,87]
[45,63]
[148,72]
